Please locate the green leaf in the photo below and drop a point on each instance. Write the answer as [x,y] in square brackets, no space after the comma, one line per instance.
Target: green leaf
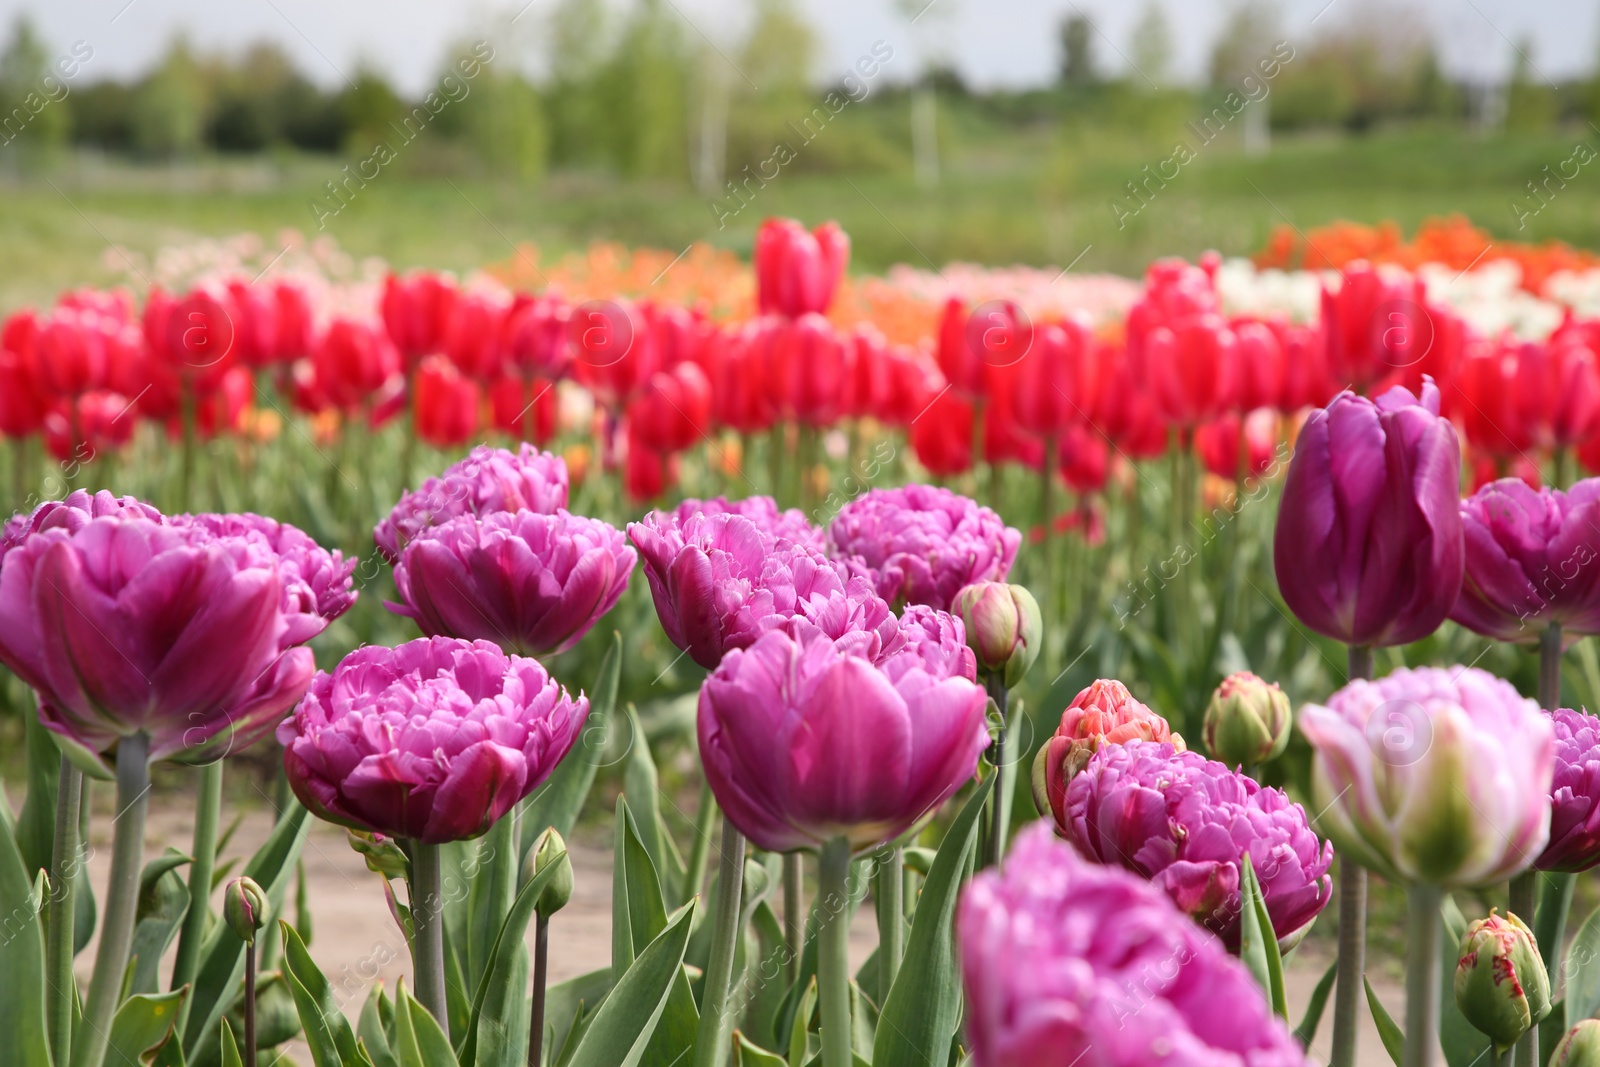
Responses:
[327,1031]
[419,1041]
[923,1009]
[493,886]
[748,1054]
[1258,944]
[1583,971]
[36,826]
[1552,1028]
[370,1031]
[638,912]
[143,1024]
[1394,1042]
[621,1029]
[163,902]
[802,1024]
[1306,1032]
[642,786]
[23,1042]
[230,1047]
[558,802]
[565,1000]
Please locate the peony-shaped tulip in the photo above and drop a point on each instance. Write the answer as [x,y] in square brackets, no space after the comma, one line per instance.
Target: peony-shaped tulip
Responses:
[72,513]
[1574,794]
[923,544]
[1103,713]
[790,524]
[126,627]
[488,480]
[1533,558]
[1580,1047]
[1067,961]
[434,740]
[1247,721]
[1184,821]
[1004,626]
[1433,776]
[531,583]
[1368,548]
[804,742]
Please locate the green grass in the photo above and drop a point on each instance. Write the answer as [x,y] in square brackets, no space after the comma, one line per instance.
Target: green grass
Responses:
[1032,196]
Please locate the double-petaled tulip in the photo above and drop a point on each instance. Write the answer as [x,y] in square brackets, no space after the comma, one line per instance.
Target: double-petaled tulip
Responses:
[1433,776]
[486,481]
[532,583]
[1064,960]
[804,741]
[1247,721]
[1004,628]
[790,523]
[1574,794]
[923,544]
[1533,558]
[1368,548]
[445,404]
[1184,821]
[797,271]
[1500,984]
[72,513]
[1580,1047]
[434,740]
[127,626]
[1103,713]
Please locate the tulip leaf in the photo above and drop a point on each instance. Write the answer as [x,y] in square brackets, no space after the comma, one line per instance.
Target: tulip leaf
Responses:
[222,953]
[23,1040]
[230,1047]
[1552,1028]
[327,1031]
[1258,944]
[1583,971]
[620,1031]
[1306,1032]
[565,1001]
[748,1054]
[558,802]
[143,1024]
[642,785]
[1394,1042]
[419,1040]
[36,826]
[923,1008]
[163,902]
[638,911]
[371,1033]
[490,891]
[1550,925]
[802,1024]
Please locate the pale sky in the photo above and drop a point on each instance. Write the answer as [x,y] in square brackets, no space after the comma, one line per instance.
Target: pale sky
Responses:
[993,42]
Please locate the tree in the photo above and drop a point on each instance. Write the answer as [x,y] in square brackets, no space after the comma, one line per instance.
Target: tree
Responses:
[1247,39]
[1150,48]
[171,105]
[35,115]
[1077,52]
[371,109]
[1531,103]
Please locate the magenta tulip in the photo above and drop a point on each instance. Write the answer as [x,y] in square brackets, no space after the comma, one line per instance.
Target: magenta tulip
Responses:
[805,741]
[1067,962]
[488,480]
[1574,794]
[1368,548]
[434,740]
[72,513]
[790,524]
[533,584]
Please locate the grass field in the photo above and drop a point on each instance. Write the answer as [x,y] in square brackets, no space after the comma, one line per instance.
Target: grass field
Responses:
[1031,197]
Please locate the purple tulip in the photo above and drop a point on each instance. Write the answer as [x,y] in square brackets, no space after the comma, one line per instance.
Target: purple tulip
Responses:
[805,741]
[719,582]
[126,626]
[1183,821]
[923,544]
[487,481]
[1574,794]
[1533,558]
[434,740]
[533,584]
[1368,548]
[72,513]
[791,524]
[1065,962]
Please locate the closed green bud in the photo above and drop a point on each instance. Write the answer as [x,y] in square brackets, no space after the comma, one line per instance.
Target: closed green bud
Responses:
[383,856]
[244,907]
[550,848]
[1580,1048]
[1004,628]
[1247,722]
[1501,985]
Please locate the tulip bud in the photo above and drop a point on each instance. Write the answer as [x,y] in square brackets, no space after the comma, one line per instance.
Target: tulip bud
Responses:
[550,848]
[383,856]
[244,906]
[1580,1048]
[1003,626]
[1500,984]
[1247,722]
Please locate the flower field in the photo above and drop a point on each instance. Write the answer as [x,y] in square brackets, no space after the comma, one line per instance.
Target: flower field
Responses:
[1091,637]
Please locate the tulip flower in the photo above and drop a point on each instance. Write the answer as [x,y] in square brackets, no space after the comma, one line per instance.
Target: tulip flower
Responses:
[673,412]
[1064,960]
[805,741]
[941,435]
[1432,776]
[524,409]
[1218,444]
[1102,713]
[317,583]
[1247,721]
[1580,1047]
[72,513]
[21,401]
[486,481]
[1374,324]
[1501,985]
[922,543]
[1194,368]
[445,404]
[1057,383]
[1003,628]
[1368,548]
[353,360]
[797,271]
[472,332]
[615,351]
[533,584]
[1183,821]
[789,524]
[1574,794]
[807,368]
[536,336]
[416,311]
[1532,559]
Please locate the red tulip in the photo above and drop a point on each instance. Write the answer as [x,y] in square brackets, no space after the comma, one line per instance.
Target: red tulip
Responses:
[536,336]
[1306,381]
[995,334]
[353,361]
[647,473]
[1561,390]
[416,310]
[1084,459]
[1193,368]
[1374,326]
[673,412]
[914,385]
[472,335]
[21,403]
[221,408]
[615,352]
[740,398]
[941,436]
[445,405]
[1218,442]
[1127,412]
[296,321]
[867,388]
[525,410]
[1174,291]
[305,392]
[1261,371]
[807,369]
[797,272]
[1484,398]
[256,323]
[1057,384]
[70,354]
[1004,440]
[81,428]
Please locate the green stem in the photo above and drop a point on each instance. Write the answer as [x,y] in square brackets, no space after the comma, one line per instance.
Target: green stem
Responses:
[427,925]
[999,823]
[793,908]
[541,972]
[889,895]
[711,1044]
[1347,992]
[1524,894]
[775,461]
[833,952]
[694,875]
[1422,975]
[122,901]
[65,858]
[1563,468]
[186,477]
[1550,667]
[200,874]
[250,1004]
[1360,663]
